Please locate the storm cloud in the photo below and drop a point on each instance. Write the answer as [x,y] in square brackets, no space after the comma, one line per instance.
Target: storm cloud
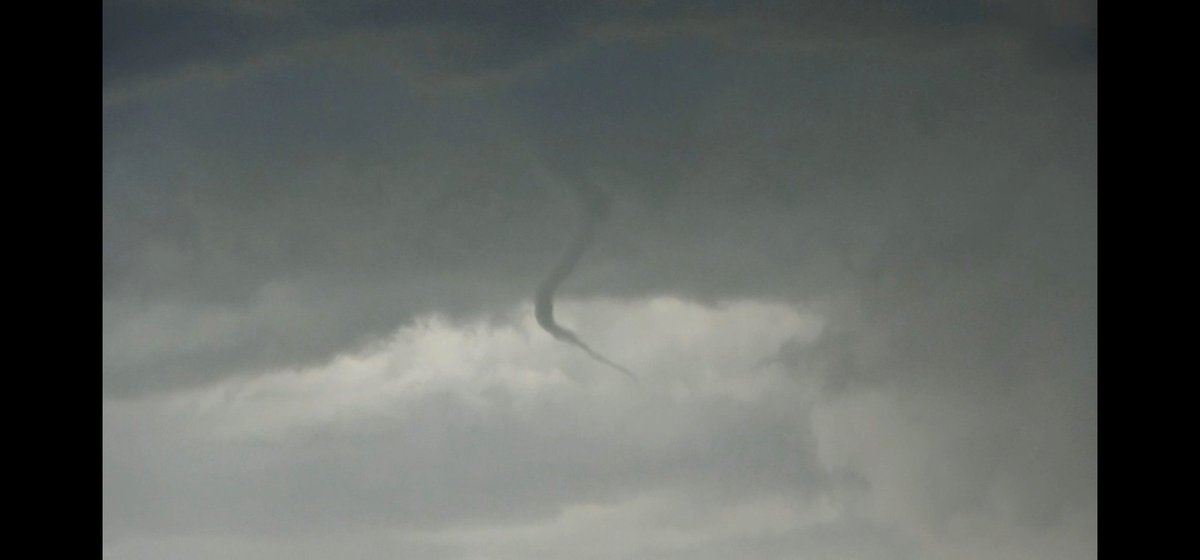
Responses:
[849,248]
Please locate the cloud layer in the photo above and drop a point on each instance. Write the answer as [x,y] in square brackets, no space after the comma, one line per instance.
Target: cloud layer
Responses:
[850,251]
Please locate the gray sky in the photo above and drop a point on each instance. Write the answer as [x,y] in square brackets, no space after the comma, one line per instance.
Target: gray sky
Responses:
[849,251]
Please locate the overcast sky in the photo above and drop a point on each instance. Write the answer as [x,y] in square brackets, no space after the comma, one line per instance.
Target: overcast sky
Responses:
[848,249]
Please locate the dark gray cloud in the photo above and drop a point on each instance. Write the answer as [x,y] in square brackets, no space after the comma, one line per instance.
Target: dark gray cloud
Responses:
[743,177]
[287,184]
[149,40]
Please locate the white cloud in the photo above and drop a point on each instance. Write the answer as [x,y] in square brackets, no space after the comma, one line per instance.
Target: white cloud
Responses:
[446,413]
[525,405]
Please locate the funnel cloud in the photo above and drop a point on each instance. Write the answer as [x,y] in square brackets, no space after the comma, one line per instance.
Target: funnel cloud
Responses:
[595,209]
